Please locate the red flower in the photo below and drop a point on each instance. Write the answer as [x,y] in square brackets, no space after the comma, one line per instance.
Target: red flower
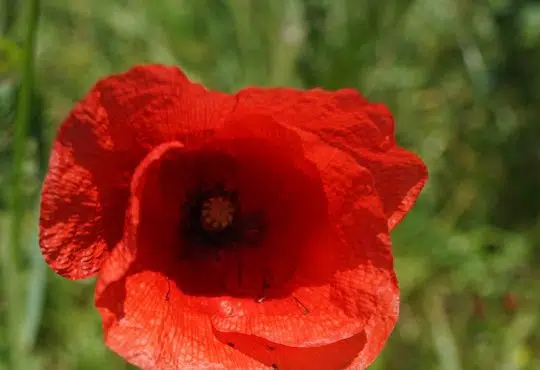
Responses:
[236,231]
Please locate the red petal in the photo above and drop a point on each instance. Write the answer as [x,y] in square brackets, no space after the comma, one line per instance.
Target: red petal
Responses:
[360,299]
[149,322]
[362,296]
[97,149]
[146,318]
[346,120]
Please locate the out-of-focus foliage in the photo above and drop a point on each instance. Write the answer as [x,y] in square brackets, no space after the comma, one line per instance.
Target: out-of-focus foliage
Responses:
[462,78]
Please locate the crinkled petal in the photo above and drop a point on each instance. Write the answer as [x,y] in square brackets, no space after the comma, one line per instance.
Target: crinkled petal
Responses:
[146,321]
[362,296]
[346,120]
[146,318]
[151,322]
[103,139]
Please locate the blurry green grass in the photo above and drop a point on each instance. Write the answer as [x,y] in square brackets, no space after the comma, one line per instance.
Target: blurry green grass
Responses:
[460,77]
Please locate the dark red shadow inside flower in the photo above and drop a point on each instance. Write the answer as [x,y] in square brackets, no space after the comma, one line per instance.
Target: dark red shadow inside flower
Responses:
[234,216]
[237,216]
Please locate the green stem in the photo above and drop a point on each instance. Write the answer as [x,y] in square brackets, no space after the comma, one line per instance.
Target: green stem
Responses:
[36,287]
[37,272]
[17,205]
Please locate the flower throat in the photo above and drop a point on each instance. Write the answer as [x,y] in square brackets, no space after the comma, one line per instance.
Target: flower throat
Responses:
[213,218]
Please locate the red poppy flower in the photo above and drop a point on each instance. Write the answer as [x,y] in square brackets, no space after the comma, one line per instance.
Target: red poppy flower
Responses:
[240,231]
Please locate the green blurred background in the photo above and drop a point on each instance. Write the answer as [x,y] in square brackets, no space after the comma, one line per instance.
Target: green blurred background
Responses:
[462,78]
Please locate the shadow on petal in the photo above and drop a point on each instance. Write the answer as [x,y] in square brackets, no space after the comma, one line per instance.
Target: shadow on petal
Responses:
[343,354]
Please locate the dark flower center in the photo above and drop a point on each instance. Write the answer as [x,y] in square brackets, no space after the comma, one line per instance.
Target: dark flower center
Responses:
[214,220]
[217,213]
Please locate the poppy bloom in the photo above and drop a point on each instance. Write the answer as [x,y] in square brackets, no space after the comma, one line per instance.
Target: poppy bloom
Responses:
[241,231]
